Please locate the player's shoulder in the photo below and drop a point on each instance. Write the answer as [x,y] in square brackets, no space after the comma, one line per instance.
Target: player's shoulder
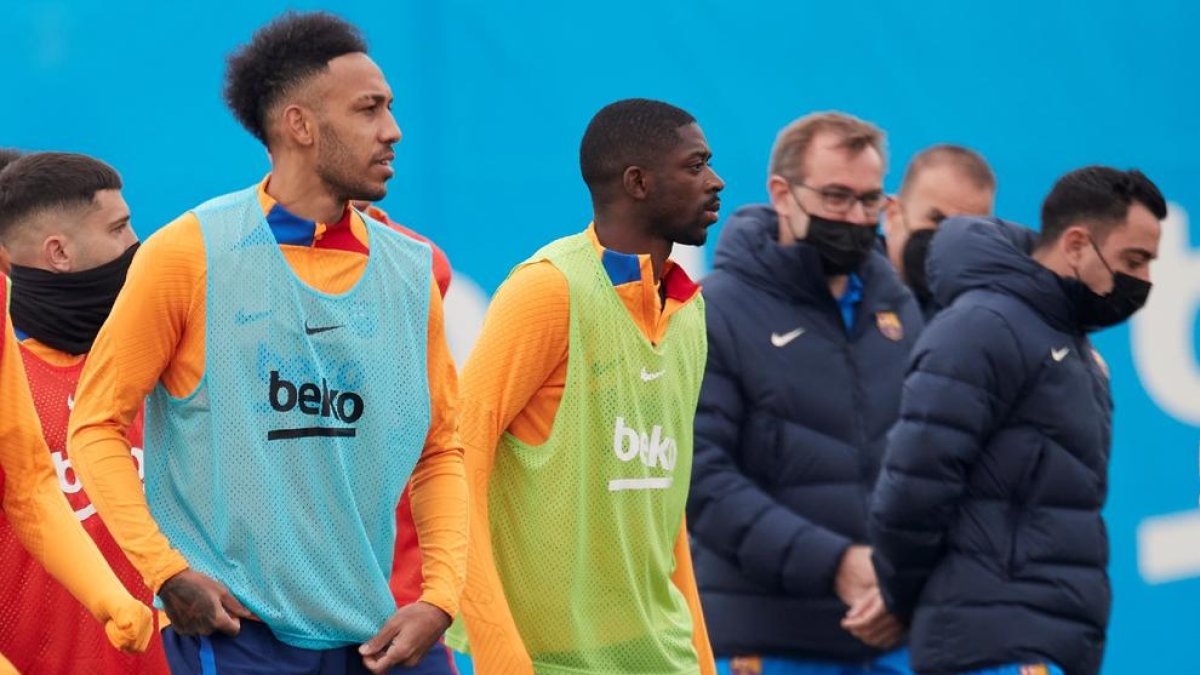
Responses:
[175,247]
[539,278]
[533,289]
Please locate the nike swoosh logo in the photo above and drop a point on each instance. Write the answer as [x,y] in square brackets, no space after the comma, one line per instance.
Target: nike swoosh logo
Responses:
[242,318]
[313,330]
[1060,354]
[785,339]
[649,377]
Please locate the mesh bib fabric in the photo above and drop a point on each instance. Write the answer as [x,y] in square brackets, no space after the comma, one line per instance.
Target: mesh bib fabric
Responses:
[279,476]
[43,628]
[584,525]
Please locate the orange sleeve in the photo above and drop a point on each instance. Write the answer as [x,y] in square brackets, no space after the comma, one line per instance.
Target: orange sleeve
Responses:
[684,578]
[43,521]
[138,342]
[523,341]
[439,488]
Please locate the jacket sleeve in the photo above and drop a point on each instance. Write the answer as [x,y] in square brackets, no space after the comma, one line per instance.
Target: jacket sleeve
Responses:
[962,377]
[727,511]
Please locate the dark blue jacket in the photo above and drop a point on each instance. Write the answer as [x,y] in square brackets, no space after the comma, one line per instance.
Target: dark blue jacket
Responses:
[790,433]
[986,519]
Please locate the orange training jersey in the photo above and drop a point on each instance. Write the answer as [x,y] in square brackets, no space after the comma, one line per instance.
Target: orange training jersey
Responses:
[407,579]
[156,336]
[52,633]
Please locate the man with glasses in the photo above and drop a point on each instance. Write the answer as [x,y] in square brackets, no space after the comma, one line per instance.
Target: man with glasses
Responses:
[809,330]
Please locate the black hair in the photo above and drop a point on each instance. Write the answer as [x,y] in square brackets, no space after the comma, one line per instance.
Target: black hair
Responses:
[1098,196]
[48,180]
[281,55]
[632,132]
[8,156]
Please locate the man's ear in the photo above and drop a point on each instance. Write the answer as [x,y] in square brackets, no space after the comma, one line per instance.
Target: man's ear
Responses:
[636,182]
[893,218]
[54,252]
[299,125]
[1074,242]
[780,193]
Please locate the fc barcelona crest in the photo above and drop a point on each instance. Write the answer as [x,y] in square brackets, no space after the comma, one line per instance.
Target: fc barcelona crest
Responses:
[889,325]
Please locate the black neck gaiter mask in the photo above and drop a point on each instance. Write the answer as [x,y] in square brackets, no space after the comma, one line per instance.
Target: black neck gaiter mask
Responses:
[65,310]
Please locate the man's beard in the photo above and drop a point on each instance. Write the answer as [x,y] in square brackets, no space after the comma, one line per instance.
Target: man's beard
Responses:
[335,167]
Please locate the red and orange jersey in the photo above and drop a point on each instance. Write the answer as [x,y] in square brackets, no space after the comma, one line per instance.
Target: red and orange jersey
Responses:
[442,271]
[162,312]
[35,512]
[77,644]
[406,579]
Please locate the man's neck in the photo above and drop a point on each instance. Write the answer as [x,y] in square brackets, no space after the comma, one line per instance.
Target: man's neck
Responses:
[838,284]
[1049,259]
[615,234]
[299,190]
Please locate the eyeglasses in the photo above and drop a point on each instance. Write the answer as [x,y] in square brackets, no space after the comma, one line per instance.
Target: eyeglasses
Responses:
[840,200]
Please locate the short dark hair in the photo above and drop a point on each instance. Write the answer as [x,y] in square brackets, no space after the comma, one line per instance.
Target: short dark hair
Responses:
[971,164]
[631,132]
[8,156]
[48,180]
[281,55]
[1099,197]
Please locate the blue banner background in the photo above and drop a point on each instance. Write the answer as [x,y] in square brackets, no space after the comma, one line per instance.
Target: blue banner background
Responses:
[493,98]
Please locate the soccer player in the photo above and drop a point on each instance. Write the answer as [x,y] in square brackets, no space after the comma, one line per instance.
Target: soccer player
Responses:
[7,156]
[297,371]
[577,418]
[66,225]
[38,516]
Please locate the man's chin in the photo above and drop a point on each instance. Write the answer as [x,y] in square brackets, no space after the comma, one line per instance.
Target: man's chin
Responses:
[371,195]
[696,237]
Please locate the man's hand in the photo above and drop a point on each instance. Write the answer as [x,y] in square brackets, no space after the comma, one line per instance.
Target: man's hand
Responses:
[405,638]
[199,605]
[855,575]
[869,621]
[129,625]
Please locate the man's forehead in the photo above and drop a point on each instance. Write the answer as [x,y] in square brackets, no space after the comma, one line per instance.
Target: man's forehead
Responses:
[691,141]
[950,189]
[1140,231]
[355,74]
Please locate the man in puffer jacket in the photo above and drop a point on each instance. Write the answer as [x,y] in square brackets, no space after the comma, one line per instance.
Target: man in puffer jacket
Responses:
[809,331]
[986,519]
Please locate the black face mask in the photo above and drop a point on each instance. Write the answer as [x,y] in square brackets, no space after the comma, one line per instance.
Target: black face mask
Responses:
[65,311]
[843,246]
[1095,311]
[913,257]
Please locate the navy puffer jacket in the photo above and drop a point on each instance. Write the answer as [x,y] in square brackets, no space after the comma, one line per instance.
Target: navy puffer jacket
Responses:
[790,432]
[986,519]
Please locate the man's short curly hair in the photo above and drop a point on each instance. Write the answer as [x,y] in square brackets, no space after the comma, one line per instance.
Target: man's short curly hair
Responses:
[280,56]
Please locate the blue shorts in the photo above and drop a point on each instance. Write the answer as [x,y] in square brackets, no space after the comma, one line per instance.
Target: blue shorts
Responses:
[1017,669]
[256,651]
[892,663]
